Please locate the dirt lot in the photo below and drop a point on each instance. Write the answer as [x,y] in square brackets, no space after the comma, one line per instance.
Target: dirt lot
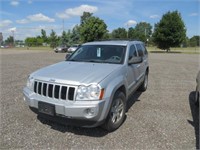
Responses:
[163,117]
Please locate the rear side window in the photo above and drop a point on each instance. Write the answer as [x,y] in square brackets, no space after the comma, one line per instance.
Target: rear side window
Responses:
[139,49]
[144,49]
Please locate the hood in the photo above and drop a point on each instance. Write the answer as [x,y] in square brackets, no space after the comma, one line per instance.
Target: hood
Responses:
[75,73]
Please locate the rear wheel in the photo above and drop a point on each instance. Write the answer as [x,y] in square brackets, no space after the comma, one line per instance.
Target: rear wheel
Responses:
[144,85]
[117,112]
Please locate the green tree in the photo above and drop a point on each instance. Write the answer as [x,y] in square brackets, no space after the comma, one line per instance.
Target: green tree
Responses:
[132,33]
[186,42]
[44,36]
[10,40]
[27,41]
[85,16]
[69,34]
[64,38]
[53,39]
[31,41]
[18,42]
[92,29]
[143,31]
[194,41]
[119,33]
[170,31]
[39,41]
[75,35]
[107,36]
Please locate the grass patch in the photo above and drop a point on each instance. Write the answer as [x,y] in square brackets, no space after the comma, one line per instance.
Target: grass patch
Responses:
[36,48]
[31,48]
[185,50]
[178,50]
[164,52]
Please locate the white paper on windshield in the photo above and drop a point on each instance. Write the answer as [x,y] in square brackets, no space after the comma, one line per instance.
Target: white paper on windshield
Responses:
[98,52]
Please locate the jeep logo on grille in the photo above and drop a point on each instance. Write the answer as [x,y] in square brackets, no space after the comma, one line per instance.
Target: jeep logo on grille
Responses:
[52,80]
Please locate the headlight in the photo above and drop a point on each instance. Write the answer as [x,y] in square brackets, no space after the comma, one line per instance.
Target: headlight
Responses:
[30,82]
[91,92]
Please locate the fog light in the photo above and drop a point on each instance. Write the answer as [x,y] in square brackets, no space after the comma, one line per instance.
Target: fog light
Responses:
[89,112]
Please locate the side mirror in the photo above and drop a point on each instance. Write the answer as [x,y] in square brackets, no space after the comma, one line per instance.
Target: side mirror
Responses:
[67,56]
[135,60]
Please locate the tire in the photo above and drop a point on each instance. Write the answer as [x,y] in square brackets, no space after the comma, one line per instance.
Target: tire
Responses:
[144,84]
[116,114]
[196,98]
[35,110]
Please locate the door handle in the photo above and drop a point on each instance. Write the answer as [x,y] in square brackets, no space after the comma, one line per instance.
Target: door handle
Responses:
[138,66]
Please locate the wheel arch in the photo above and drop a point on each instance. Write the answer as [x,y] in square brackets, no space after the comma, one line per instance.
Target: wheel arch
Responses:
[147,70]
[122,89]
[118,84]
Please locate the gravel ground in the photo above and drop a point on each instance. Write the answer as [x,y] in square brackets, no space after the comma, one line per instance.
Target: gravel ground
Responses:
[163,117]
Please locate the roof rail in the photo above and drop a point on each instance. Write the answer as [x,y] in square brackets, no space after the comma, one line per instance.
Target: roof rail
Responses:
[118,39]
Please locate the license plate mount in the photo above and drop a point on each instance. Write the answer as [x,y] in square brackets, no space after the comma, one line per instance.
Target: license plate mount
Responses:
[46,108]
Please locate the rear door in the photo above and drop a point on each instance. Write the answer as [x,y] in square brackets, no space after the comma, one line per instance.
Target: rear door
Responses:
[145,57]
[133,70]
[142,65]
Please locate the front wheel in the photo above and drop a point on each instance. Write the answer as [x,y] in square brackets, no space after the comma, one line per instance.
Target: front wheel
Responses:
[117,112]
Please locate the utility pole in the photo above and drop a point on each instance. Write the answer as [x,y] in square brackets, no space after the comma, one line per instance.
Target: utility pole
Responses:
[13,34]
[146,39]
[63,28]
[127,30]
[63,24]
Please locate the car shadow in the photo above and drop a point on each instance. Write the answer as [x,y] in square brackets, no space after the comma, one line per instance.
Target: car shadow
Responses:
[132,99]
[195,116]
[59,123]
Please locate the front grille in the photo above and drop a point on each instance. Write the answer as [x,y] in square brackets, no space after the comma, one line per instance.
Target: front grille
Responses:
[56,91]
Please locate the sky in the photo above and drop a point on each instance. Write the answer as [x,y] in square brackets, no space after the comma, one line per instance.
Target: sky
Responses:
[26,18]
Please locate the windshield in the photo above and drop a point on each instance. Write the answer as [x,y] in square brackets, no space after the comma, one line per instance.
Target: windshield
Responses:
[99,54]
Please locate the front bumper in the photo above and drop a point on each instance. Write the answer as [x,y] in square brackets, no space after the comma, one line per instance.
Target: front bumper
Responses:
[75,110]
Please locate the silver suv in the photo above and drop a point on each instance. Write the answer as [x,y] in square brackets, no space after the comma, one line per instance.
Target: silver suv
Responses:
[92,85]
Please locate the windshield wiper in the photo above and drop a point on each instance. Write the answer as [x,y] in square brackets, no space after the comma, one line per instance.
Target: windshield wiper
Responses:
[71,60]
[78,60]
[94,60]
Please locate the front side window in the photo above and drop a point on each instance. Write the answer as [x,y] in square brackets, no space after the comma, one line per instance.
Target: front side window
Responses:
[99,54]
[132,52]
